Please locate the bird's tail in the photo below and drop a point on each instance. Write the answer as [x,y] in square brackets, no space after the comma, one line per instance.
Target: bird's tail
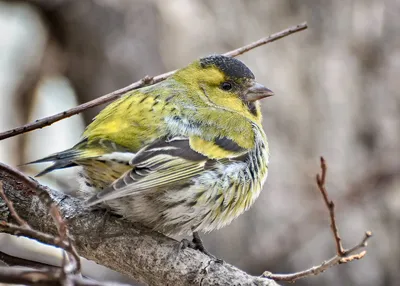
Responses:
[64,159]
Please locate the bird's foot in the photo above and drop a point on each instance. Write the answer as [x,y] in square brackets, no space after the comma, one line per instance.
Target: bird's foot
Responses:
[197,244]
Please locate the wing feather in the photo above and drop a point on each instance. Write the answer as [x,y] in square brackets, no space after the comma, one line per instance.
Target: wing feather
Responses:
[160,164]
[170,162]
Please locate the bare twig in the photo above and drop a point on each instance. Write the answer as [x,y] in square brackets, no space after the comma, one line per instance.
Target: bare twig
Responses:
[45,238]
[315,270]
[62,228]
[355,248]
[64,239]
[320,178]
[266,40]
[342,255]
[44,276]
[10,260]
[46,121]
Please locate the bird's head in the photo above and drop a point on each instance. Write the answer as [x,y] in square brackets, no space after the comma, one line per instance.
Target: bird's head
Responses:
[225,83]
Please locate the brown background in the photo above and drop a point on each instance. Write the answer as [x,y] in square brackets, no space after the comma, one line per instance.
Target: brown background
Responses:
[337,94]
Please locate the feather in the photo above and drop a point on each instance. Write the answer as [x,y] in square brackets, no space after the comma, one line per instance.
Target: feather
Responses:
[160,164]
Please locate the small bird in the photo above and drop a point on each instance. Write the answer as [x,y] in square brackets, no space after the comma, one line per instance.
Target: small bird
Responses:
[184,155]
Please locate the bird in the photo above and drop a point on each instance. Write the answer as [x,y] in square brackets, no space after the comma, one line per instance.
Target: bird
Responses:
[184,155]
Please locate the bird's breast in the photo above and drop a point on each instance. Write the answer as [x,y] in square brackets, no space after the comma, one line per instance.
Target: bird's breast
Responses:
[232,188]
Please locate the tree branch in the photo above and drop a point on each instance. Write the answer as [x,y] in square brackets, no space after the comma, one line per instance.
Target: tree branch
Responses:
[23,229]
[46,121]
[342,255]
[46,276]
[320,178]
[18,261]
[146,256]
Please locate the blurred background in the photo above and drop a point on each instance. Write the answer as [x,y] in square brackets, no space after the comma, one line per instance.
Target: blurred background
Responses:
[337,88]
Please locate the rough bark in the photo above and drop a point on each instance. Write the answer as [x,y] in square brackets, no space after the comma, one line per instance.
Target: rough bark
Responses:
[131,249]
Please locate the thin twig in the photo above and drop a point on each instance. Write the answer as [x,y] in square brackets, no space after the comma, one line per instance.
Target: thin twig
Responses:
[11,260]
[362,244]
[62,228]
[32,233]
[320,178]
[266,40]
[73,265]
[63,241]
[45,276]
[46,121]
[342,255]
[315,270]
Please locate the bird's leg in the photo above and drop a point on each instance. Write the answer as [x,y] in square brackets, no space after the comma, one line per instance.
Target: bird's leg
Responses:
[98,234]
[185,243]
[197,244]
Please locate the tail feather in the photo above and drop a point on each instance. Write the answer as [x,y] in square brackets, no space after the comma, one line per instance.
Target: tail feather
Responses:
[61,160]
[61,156]
[56,165]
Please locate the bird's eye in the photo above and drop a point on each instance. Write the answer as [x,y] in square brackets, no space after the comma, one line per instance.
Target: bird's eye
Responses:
[226,85]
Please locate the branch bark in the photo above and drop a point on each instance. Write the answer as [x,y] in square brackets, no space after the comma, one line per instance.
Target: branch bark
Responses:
[146,256]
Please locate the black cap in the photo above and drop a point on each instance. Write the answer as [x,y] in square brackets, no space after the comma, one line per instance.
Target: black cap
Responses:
[233,68]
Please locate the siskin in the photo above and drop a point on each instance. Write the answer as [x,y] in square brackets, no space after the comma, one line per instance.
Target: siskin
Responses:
[180,156]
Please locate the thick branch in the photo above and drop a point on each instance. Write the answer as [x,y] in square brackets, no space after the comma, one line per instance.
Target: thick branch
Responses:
[131,249]
[40,123]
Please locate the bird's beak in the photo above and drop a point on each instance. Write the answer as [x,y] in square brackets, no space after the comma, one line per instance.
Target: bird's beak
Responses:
[257,91]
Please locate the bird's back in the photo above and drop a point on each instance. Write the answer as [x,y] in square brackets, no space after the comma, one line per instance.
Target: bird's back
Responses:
[121,130]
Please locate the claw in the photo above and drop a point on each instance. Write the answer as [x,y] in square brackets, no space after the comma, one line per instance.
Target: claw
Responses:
[197,244]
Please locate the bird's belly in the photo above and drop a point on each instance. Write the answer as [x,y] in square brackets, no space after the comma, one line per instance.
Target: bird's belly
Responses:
[209,202]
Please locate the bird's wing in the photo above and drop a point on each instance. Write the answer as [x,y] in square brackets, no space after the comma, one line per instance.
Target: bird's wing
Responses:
[165,163]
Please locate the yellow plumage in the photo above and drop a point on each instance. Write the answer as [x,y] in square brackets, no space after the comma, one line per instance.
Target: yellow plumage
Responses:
[186,154]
